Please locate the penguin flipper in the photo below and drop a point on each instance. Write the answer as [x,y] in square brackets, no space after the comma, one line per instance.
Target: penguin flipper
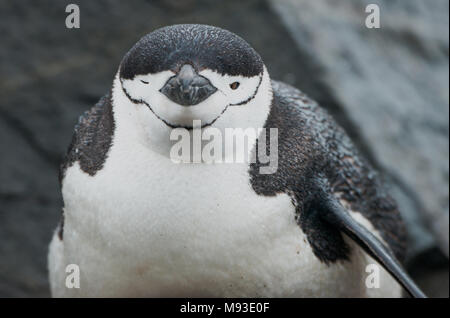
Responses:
[91,139]
[336,215]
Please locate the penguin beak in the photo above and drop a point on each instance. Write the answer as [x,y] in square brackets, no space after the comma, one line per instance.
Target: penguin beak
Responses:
[187,88]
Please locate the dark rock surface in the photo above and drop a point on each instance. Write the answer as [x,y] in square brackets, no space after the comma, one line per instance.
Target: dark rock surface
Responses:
[50,75]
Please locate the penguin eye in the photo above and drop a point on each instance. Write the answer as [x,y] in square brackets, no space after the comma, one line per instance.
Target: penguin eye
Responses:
[234,85]
[144,82]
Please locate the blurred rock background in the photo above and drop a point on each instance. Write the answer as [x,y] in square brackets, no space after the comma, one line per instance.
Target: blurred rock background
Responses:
[388,87]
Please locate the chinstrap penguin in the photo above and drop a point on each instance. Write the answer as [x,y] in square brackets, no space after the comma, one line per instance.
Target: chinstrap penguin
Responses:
[139,225]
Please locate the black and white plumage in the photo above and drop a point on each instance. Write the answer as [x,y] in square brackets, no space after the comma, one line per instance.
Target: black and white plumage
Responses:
[139,224]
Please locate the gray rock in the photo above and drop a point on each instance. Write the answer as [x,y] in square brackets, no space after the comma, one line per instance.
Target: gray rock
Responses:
[392,84]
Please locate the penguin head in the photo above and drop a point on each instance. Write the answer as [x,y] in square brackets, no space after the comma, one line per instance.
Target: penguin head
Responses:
[184,73]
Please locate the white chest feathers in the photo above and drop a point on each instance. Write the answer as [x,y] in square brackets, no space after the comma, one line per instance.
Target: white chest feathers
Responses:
[144,226]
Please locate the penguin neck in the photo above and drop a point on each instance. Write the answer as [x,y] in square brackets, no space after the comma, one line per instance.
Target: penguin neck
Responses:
[137,125]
